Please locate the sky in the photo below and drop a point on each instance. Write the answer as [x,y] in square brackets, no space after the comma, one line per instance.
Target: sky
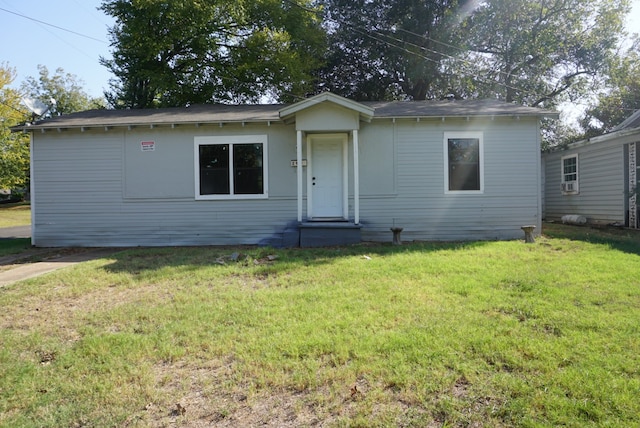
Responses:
[27,43]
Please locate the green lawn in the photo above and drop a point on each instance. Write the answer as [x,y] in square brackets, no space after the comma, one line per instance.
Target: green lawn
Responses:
[426,334]
[14,246]
[15,215]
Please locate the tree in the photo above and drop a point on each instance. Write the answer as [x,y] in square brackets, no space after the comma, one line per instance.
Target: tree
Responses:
[535,52]
[65,88]
[619,96]
[539,52]
[380,49]
[14,147]
[183,52]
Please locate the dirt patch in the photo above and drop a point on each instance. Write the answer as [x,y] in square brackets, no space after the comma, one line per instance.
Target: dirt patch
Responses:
[53,313]
[207,395]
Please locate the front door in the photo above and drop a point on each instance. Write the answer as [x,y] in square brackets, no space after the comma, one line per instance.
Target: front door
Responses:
[327,176]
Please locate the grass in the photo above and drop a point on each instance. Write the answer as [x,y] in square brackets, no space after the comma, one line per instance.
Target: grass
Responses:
[14,246]
[18,214]
[11,215]
[427,334]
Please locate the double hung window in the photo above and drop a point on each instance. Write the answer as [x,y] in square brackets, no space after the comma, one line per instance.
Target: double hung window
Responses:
[464,162]
[569,177]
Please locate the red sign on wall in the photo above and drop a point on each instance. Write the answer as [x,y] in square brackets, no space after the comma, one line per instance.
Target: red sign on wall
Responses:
[148,146]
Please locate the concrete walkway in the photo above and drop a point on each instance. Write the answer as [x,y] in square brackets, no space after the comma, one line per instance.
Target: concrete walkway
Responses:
[21,268]
[15,232]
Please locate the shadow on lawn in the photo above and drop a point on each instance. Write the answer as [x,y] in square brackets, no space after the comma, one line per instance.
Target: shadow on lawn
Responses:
[10,246]
[625,240]
[268,261]
[265,260]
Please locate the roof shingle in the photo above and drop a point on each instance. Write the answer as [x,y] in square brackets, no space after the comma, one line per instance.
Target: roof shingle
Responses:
[223,113]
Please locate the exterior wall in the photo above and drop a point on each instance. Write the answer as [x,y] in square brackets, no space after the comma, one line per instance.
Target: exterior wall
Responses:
[601,181]
[405,186]
[98,188]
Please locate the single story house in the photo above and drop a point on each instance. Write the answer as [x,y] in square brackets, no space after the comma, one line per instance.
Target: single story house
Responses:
[596,178]
[325,170]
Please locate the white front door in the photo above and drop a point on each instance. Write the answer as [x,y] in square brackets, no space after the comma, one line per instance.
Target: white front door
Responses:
[327,176]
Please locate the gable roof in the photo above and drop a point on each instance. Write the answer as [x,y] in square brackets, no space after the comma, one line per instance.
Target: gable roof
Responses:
[265,113]
[366,112]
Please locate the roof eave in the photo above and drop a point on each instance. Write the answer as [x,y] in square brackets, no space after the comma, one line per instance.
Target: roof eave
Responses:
[598,139]
[548,115]
[111,125]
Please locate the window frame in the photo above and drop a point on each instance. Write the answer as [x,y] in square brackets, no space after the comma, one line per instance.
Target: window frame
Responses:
[478,135]
[563,174]
[231,140]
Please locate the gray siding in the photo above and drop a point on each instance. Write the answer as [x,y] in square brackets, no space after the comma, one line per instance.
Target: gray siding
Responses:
[97,188]
[419,204]
[86,193]
[601,180]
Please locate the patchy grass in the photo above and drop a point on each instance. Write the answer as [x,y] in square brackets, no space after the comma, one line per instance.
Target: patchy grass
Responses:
[13,246]
[15,215]
[448,334]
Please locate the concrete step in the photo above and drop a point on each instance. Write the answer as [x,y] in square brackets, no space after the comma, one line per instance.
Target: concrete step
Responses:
[329,233]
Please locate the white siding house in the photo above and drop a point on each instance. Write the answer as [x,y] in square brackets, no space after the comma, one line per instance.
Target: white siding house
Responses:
[595,178]
[322,171]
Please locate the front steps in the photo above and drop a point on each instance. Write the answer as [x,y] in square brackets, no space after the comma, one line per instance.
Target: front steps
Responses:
[328,233]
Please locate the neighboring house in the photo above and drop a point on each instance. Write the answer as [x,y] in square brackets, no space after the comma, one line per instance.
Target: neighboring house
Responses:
[595,178]
[326,170]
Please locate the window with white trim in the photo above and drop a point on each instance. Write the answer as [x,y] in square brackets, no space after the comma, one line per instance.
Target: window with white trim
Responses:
[569,178]
[464,159]
[231,167]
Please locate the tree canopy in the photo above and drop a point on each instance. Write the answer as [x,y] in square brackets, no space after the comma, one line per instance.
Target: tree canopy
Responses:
[540,52]
[619,95]
[182,52]
[382,49]
[534,52]
[14,147]
[65,88]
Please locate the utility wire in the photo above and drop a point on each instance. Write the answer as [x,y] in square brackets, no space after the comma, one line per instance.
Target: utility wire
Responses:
[13,108]
[52,25]
[56,35]
[402,43]
[367,33]
[474,76]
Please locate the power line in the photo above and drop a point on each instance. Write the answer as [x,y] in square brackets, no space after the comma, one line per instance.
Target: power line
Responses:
[368,33]
[90,12]
[463,61]
[55,34]
[52,25]
[402,43]
[12,107]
